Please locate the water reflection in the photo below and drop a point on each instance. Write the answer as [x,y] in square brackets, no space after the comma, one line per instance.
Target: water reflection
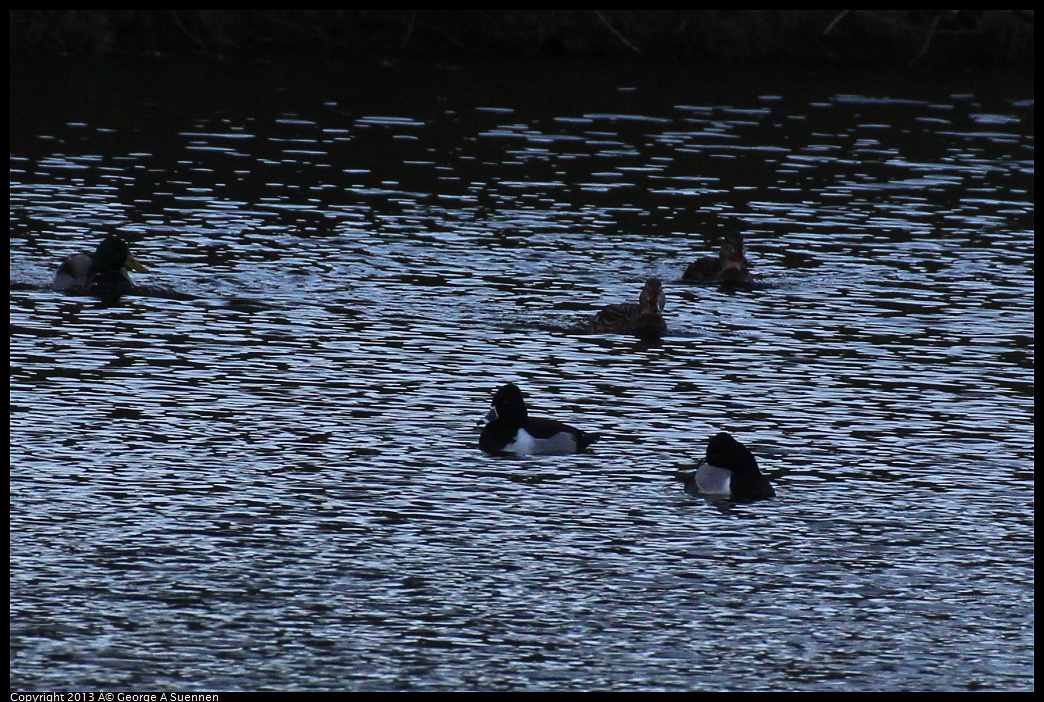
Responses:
[276,482]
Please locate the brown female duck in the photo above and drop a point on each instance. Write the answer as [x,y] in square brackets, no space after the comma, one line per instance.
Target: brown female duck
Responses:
[728,267]
[643,319]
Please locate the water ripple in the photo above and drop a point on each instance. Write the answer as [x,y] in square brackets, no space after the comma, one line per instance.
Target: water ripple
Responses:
[276,483]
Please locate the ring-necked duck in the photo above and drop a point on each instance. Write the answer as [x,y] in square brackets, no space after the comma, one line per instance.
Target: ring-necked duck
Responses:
[103,274]
[728,267]
[644,319]
[510,429]
[728,470]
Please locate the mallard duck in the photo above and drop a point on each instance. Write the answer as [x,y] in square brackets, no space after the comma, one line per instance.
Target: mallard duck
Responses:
[728,267]
[510,429]
[103,274]
[728,470]
[643,319]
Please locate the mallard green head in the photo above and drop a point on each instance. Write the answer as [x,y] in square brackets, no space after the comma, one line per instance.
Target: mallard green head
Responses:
[111,255]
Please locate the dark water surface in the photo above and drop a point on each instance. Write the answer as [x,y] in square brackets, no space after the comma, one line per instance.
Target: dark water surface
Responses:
[275,484]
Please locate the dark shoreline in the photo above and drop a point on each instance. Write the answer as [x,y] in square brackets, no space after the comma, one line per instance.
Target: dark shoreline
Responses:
[938,39]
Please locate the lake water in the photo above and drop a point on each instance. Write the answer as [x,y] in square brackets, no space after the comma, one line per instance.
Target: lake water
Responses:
[271,479]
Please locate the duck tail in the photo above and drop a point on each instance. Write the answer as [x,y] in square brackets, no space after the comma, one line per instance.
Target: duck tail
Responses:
[586,439]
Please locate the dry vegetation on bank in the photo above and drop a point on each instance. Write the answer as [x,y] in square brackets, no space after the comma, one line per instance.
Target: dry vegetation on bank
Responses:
[940,38]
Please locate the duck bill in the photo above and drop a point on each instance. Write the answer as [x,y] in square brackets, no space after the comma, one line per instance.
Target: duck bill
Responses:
[133,264]
[490,416]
